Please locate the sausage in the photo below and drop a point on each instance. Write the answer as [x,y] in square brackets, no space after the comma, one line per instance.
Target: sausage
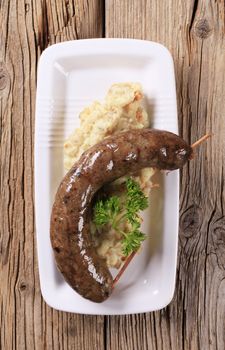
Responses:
[116,156]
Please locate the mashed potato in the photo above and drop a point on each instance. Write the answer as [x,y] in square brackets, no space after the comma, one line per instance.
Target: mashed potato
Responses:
[120,111]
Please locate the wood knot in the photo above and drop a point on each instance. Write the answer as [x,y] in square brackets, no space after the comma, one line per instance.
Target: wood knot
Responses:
[27,7]
[190,221]
[202,28]
[22,286]
[219,240]
[72,331]
[4,77]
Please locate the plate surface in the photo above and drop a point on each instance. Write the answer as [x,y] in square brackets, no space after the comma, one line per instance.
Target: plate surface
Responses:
[70,76]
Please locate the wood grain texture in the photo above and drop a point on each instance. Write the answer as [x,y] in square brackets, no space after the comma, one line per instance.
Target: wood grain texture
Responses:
[194,33]
[26,322]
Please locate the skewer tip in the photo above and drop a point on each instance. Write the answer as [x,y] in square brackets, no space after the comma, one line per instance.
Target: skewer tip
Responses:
[202,139]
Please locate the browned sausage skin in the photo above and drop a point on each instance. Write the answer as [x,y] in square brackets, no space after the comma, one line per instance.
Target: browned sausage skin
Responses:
[110,159]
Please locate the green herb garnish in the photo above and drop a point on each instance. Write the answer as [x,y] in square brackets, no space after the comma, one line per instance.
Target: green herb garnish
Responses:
[106,211]
[136,200]
[116,211]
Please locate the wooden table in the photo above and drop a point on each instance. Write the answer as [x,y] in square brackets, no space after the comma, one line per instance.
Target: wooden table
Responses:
[194,33]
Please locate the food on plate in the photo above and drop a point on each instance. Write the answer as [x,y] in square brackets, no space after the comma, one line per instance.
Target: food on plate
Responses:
[114,157]
[121,110]
[122,214]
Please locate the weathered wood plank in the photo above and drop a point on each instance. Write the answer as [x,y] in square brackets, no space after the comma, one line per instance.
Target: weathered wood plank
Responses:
[27,28]
[194,33]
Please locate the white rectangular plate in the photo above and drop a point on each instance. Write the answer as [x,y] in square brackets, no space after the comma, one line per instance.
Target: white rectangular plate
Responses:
[70,76]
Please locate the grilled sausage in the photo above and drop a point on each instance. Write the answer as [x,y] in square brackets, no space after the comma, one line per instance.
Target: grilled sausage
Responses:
[108,160]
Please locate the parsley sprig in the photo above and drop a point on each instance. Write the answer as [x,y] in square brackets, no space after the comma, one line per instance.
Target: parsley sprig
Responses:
[116,211]
[106,211]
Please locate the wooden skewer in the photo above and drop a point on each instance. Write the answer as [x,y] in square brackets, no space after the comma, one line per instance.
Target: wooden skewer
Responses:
[131,256]
[202,139]
[123,268]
